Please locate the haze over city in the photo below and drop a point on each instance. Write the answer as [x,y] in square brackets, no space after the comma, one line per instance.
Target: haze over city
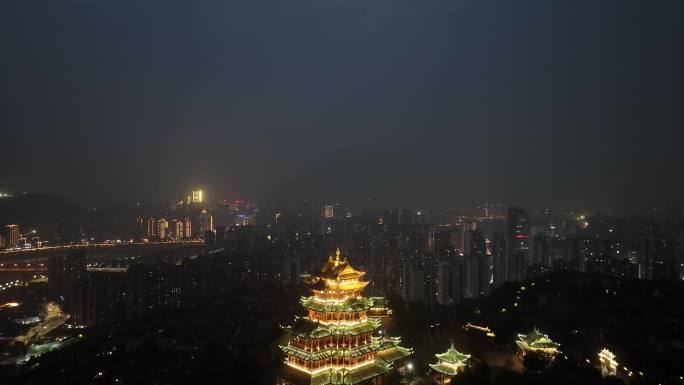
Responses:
[530,102]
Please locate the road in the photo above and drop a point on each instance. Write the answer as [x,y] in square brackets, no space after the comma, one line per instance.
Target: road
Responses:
[54,318]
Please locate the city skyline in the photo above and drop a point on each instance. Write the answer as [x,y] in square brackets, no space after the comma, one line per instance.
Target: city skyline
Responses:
[341,192]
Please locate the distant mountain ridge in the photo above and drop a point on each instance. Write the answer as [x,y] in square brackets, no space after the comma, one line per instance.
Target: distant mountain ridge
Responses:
[28,209]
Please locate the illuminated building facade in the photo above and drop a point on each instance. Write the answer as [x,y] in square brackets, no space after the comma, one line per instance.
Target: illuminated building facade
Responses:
[206,222]
[335,342]
[449,364]
[187,228]
[328,212]
[163,225]
[140,228]
[12,235]
[196,196]
[537,342]
[177,229]
[152,228]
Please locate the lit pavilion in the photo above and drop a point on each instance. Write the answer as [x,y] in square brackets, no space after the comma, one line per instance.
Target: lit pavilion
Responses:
[449,364]
[538,342]
[334,342]
[608,363]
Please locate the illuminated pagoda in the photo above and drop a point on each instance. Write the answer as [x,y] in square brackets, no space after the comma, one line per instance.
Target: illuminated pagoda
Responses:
[608,363]
[538,342]
[335,343]
[449,364]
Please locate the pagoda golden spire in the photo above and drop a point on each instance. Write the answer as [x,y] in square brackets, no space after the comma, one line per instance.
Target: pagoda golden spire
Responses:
[337,256]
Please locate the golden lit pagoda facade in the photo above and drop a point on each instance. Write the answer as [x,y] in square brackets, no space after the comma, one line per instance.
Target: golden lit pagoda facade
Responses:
[609,364]
[337,342]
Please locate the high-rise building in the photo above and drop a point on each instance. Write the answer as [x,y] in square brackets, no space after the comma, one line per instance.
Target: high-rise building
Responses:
[463,227]
[499,266]
[328,212]
[187,228]
[477,267]
[196,196]
[659,257]
[518,242]
[515,263]
[163,226]
[152,228]
[540,250]
[12,235]
[66,281]
[450,281]
[337,342]
[3,243]
[177,229]
[579,252]
[477,275]
[418,281]
[140,228]
[206,222]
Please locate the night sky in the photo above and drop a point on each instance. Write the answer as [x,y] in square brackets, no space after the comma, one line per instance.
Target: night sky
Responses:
[414,103]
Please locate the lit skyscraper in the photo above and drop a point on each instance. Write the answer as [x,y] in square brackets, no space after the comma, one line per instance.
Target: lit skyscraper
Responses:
[12,235]
[187,228]
[152,228]
[177,229]
[196,196]
[206,222]
[163,225]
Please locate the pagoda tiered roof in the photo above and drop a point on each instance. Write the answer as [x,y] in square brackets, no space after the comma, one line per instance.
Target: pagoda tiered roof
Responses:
[350,304]
[350,377]
[339,269]
[450,362]
[337,290]
[537,341]
[306,328]
[452,356]
[388,349]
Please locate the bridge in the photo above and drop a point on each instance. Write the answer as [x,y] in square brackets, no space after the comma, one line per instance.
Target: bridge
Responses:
[23,268]
[35,259]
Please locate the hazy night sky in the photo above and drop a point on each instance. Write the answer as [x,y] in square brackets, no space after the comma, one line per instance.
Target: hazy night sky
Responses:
[421,102]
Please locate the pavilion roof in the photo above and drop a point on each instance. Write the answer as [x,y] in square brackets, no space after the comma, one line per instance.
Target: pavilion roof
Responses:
[348,305]
[536,339]
[394,353]
[387,349]
[350,377]
[339,269]
[446,368]
[452,356]
[305,328]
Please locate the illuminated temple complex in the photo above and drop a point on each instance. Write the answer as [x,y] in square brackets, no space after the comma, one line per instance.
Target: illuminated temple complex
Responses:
[538,342]
[449,364]
[337,342]
[608,363]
